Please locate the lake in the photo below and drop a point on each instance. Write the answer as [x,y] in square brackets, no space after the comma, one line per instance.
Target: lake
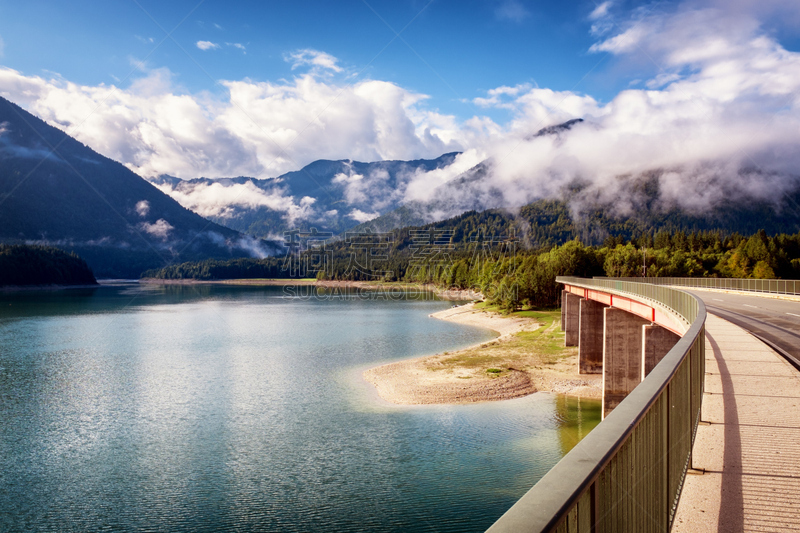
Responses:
[225,408]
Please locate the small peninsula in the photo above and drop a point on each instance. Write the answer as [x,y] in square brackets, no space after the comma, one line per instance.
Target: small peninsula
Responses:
[528,356]
[24,265]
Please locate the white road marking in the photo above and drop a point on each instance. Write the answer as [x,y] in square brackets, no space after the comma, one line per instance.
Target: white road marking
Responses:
[798,316]
[717,299]
[753,306]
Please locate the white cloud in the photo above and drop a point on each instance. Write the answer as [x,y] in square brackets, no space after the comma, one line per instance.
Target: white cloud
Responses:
[138,64]
[240,46]
[361,216]
[602,22]
[373,191]
[600,11]
[218,200]
[626,41]
[259,129]
[665,78]
[160,228]
[142,208]
[312,58]
[499,96]
[778,12]
[255,246]
[423,184]
[207,45]
[511,10]
[721,119]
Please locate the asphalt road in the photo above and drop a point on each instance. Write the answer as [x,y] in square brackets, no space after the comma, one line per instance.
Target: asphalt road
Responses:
[777,322]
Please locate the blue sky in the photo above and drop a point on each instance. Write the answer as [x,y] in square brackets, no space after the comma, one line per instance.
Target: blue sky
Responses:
[451,51]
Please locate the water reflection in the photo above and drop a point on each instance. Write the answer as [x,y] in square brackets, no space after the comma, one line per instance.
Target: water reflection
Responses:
[576,418]
[208,408]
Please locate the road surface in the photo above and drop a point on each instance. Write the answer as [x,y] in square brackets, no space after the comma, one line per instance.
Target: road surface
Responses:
[773,320]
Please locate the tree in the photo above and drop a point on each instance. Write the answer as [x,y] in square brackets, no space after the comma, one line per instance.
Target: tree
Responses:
[623,261]
[762,270]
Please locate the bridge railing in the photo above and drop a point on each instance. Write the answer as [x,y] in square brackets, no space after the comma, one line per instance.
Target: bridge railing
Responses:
[627,474]
[774,286]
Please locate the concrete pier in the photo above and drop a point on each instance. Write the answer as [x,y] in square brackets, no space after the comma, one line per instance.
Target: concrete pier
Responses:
[622,355]
[656,342]
[590,342]
[572,319]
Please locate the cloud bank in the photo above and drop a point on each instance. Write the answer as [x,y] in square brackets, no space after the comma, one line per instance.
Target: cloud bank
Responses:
[218,200]
[717,119]
[715,114]
[262,129]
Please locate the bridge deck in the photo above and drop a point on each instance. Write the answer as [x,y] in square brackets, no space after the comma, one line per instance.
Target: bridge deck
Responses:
[750,448]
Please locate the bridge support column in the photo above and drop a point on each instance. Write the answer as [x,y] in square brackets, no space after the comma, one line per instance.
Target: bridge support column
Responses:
[590,342]
[572,319]
[564,309]
[622,356]
[656,342]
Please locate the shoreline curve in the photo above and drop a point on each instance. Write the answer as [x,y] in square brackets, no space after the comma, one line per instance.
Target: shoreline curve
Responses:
[432,379]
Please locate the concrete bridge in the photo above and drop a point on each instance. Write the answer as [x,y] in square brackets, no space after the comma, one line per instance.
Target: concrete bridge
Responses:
[617,336]
[701,428]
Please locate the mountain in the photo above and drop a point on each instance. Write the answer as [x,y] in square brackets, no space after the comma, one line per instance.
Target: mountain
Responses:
[545,223]
[56,191]
[470,250]
[330,196]
[472,190]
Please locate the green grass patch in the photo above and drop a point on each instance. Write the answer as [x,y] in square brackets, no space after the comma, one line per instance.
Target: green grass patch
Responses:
[548,339]
[471,359]
[528,349]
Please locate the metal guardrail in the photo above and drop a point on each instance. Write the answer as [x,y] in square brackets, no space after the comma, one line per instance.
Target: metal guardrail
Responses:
[773,286]
[627,474]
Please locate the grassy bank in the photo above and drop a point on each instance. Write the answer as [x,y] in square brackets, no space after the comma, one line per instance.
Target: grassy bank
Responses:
[528,351]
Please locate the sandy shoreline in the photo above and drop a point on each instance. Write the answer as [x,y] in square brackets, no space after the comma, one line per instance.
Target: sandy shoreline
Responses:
[435,380]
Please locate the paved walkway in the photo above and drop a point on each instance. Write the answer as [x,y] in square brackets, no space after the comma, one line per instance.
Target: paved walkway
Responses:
[749,442]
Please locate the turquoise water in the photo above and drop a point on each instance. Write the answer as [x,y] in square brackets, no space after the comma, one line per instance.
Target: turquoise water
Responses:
[241,409]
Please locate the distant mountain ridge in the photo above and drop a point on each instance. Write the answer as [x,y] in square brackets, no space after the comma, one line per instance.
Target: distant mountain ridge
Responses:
[549,222]
[56,191]
[338,192]
[469,191]
[330,196]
